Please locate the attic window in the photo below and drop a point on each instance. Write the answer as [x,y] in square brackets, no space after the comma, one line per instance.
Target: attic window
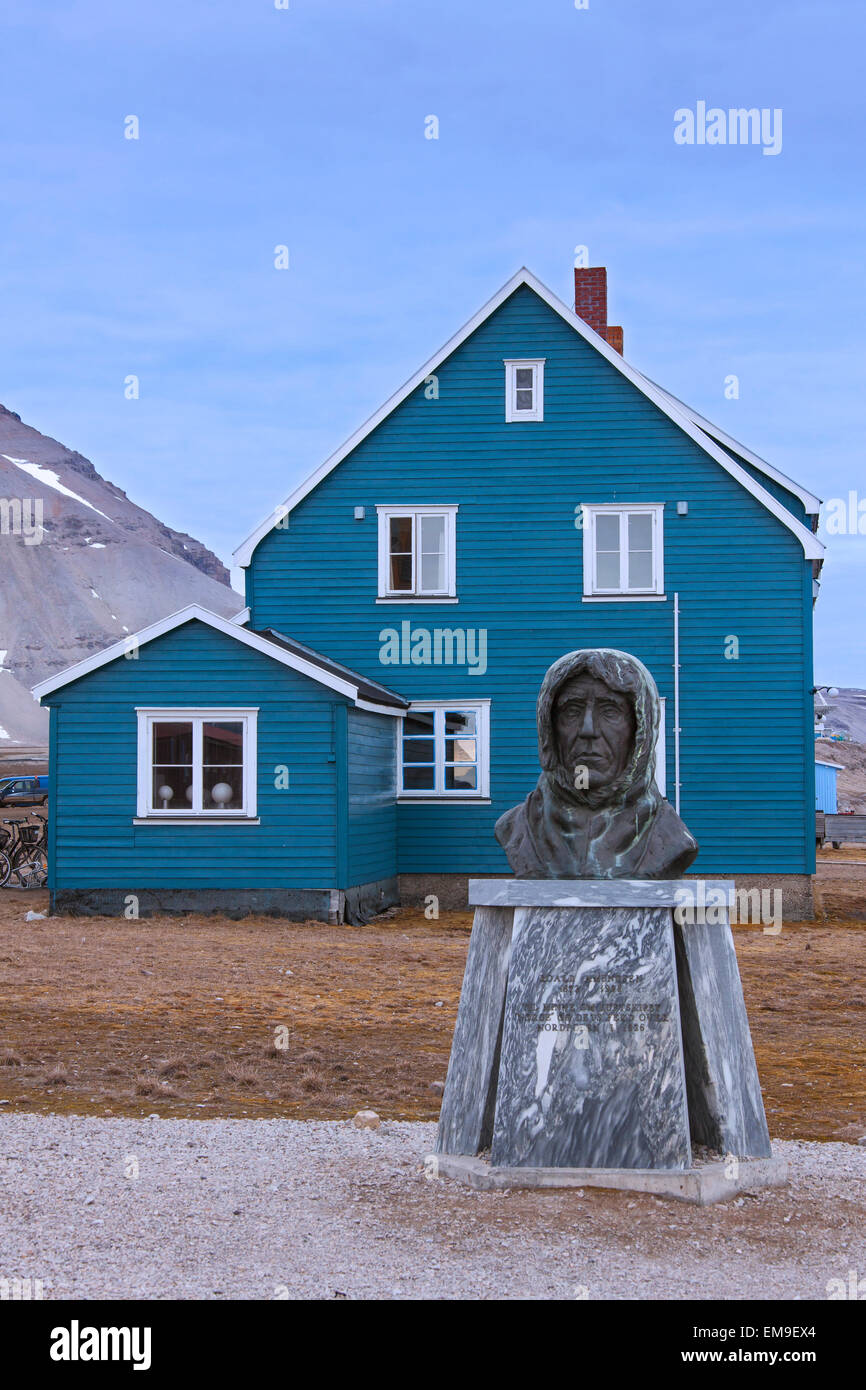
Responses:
[524,389]
[416,552]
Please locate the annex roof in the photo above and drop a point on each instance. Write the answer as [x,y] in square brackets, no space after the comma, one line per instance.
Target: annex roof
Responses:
[366,694]
[368,690]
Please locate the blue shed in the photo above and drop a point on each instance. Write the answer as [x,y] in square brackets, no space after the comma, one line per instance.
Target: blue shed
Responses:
[825,786]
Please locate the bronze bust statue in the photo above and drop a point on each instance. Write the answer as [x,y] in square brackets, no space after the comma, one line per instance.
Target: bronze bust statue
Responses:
[596,811]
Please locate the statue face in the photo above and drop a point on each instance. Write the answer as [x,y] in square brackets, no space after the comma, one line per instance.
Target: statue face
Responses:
[594,728]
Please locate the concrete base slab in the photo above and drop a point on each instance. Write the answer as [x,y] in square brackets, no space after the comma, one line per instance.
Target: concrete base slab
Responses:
[796,898]
[703,1185]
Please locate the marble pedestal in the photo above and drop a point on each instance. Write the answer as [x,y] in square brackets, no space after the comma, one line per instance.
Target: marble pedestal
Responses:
[601,1030]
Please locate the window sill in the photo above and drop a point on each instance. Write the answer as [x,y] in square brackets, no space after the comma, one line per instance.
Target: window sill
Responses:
[443,800]
[624,598]
[196,820]
[417,598]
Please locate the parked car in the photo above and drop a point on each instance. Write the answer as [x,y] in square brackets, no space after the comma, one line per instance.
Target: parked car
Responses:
[24,791]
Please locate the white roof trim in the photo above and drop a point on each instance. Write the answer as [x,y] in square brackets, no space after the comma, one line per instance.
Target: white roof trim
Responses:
[680,414]
[381,709]
[225,625]
[821,762]
[809,500]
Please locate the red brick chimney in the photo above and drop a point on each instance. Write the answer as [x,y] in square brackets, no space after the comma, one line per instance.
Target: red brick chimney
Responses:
[590,302]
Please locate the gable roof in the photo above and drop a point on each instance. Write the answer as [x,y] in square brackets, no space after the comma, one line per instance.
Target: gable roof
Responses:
[680,414]
[365,693]
[811,503]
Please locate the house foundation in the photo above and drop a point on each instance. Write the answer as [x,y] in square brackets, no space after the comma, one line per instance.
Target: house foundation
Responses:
[332,905]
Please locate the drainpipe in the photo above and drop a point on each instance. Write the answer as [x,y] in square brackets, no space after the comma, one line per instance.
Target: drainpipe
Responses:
[677,703]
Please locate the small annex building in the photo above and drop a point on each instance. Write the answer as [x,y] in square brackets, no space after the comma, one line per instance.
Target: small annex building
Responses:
[209,767]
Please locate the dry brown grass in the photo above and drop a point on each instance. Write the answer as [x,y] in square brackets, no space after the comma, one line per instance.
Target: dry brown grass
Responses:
[242,1074]
[855,854]
[178,1016]
[840,885]
[152,1086]
[171,1066]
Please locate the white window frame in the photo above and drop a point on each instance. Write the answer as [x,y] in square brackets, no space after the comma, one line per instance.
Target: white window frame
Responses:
[592,510]
[481,710]
[198,716]
[513,416]
[413,595]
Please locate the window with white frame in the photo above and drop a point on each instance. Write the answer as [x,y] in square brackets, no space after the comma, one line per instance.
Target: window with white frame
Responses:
[623,550]
[524,389]
[417,552]
[197,763]
[444,750]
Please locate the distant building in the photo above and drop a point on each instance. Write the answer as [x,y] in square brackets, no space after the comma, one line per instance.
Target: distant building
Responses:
[825,785]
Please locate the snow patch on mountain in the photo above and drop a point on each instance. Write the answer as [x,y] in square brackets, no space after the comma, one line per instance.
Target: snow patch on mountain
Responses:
[100,563]
[44,475]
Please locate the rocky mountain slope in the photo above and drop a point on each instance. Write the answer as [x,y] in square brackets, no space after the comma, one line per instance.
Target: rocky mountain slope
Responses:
[844,712]
[80,566]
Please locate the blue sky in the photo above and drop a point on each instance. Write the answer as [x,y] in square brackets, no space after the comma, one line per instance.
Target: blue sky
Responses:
[305,127]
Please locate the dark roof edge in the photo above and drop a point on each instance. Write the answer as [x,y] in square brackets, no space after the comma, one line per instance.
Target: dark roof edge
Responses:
[367,689]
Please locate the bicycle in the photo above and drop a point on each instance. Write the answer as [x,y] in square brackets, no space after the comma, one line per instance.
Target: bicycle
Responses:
[8,839]
[24,854]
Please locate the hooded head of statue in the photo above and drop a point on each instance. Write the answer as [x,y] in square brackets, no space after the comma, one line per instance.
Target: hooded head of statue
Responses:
[596,811]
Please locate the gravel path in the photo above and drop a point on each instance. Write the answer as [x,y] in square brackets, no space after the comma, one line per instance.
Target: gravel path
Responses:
[154,1208]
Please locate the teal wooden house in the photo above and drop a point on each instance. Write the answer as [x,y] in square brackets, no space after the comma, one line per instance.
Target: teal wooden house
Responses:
[350,738]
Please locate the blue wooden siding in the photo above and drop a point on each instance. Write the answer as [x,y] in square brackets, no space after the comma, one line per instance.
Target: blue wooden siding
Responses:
[739,573]
[372,810]
[94,773]
[51,828]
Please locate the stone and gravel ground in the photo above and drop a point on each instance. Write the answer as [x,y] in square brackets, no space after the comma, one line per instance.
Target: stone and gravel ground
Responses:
[162,1208]
[157,1142]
